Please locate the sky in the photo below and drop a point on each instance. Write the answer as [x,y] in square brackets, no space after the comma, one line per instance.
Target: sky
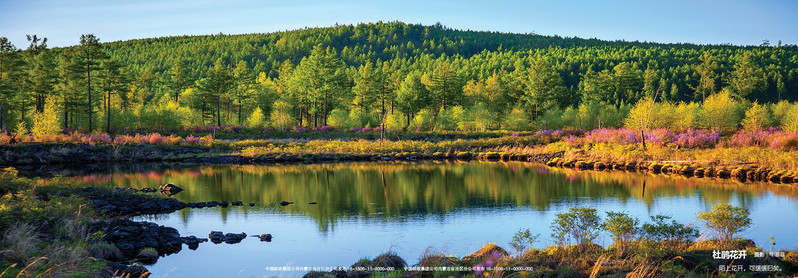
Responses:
[737,22]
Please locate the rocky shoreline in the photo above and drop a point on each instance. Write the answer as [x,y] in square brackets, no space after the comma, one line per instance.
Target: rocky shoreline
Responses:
[21,156]
[141,241]
[83,154]
[740,173]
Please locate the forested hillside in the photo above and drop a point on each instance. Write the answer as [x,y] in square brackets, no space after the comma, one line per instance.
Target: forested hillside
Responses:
[403,75]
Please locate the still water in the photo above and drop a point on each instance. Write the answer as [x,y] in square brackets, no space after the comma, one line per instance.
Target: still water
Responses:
[365,209]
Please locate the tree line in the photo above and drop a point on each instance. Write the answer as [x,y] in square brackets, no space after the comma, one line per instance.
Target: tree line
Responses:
[401,76]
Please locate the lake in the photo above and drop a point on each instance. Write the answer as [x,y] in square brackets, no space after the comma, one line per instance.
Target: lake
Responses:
[366,209]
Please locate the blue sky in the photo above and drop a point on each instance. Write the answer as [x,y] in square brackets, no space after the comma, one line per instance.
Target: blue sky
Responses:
[735,22]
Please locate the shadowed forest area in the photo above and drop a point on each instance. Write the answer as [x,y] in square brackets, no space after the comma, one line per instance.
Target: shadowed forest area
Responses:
[395,76]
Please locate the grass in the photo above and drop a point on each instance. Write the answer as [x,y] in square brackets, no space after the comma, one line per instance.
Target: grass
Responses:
[689,259]
[45,229]
[772,149]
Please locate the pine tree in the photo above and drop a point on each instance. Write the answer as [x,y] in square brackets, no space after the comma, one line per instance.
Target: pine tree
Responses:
[747,77]
[706,85]
[214,87]
[87,58]
[179,80]
[42,74]
[244,87]
[445,85]
[320,81]
[544,87]
[113,81]
[11,65]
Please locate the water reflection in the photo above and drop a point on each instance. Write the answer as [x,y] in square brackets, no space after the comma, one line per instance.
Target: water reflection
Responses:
[397,191]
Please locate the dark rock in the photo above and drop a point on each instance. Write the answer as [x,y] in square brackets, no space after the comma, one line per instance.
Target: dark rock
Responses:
[388,261]
[265,237]
[231,238]
[212,204]
[739,174]
[723,173]
[492,156]
[224,204]
[655,168]
[148,190]
[237,203]
[147,256]
[200,204]
[125,247]
[251,204]
[751,175]
[108,208]
[134,271]
[284,203]
[114,268]
[687,171]
[106,252]
[193,240]
[763,175]
[216,237]
[312,203]
[170,188]
[132,204]
[130,237]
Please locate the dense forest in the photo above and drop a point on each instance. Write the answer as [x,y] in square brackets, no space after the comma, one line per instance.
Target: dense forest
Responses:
[396,75]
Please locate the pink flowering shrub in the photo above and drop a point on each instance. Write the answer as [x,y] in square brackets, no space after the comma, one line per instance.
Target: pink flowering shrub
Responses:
[192,140]
[693,138]
[749,138]
[660,136]
[154,138]
[612,135]
[772,138]
[697,138]
[206,140]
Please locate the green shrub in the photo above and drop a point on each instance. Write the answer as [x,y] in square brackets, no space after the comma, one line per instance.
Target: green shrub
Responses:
[256,118]
[721,112]
[339,118]
[480,118]
[47,122]
[578,225]
[790,121]
[780,111]
[660,230]
[757,117]
[516,120]
[447,119]
[395,121]
[688,116]
[423,120]
[622,227]
[281,115]
[726,220]
[522,240]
